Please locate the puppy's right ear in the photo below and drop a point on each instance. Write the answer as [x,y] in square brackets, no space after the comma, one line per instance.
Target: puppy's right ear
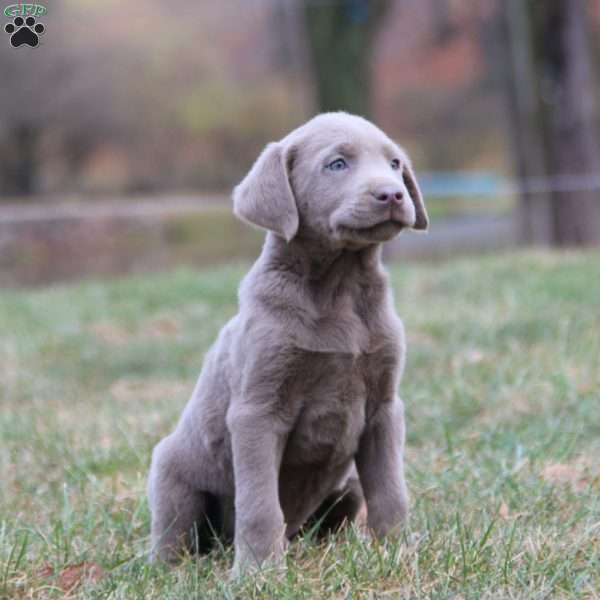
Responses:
[265,196]
[410,181]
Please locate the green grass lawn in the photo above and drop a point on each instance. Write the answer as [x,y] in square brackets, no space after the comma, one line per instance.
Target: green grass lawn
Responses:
[502,390]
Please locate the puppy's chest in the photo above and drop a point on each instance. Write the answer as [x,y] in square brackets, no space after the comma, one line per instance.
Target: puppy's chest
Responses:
[330,397]
[341,358]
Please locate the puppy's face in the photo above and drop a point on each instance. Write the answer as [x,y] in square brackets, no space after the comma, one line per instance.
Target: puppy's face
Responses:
[339,179]
[351,183]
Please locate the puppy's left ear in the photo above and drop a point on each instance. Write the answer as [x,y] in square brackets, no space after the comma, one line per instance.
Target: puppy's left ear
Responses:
[265,197]
[410,181]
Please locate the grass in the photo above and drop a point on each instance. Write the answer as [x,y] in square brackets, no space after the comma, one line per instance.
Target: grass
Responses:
[502,389]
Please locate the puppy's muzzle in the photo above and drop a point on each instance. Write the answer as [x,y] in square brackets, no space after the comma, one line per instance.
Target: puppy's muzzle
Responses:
[388,194]
[393,204]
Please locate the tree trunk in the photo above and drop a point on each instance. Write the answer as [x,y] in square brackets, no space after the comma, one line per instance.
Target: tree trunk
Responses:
[567,106]
[19,169]
[340,35]
[551,106]
[515,59]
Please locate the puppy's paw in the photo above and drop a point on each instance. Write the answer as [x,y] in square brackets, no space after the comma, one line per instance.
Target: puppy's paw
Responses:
[248,568]
[388,520]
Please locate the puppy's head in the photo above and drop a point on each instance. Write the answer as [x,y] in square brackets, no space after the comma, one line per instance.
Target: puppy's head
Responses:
[339,179]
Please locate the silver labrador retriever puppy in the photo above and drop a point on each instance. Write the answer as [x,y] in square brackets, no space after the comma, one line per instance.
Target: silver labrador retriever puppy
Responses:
[298,395]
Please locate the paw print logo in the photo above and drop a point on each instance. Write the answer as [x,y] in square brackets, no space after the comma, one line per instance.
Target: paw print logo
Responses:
[24,31]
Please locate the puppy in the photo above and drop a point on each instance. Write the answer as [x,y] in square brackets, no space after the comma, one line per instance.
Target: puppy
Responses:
[295,415]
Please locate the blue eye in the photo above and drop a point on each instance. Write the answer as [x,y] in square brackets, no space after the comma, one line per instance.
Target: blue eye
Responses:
[395,164]
[339,164]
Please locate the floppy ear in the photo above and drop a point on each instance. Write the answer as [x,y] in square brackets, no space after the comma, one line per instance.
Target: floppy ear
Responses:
[410,181]
[265,197]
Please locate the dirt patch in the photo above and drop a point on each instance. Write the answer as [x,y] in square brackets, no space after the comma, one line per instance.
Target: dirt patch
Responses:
[68,579]
[578,474]
[147,390]
[160,327]
[111,334]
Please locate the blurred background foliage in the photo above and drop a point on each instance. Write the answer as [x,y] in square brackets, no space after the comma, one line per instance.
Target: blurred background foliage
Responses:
[125,98]
[126,102]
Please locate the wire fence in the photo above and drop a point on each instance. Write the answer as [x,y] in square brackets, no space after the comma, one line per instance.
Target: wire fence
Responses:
[492,185]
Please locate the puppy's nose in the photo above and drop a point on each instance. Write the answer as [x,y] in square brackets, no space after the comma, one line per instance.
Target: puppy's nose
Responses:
[388,193]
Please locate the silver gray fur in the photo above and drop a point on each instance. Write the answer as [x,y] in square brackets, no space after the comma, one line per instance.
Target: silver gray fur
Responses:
[298,395]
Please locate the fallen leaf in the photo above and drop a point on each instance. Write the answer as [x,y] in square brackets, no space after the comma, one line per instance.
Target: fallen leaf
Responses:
[161,328]
[504,511]
[73,576]
[45,571]
[111,334]
[575,474]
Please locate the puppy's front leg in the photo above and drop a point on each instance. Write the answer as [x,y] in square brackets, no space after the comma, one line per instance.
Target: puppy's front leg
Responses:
[259,522]
[380,465]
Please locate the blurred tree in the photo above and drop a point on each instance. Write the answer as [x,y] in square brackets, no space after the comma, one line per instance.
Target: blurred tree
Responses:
[340,36]
[154,99]
[554,118]
[566,89]
[519,80]
[58,102]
